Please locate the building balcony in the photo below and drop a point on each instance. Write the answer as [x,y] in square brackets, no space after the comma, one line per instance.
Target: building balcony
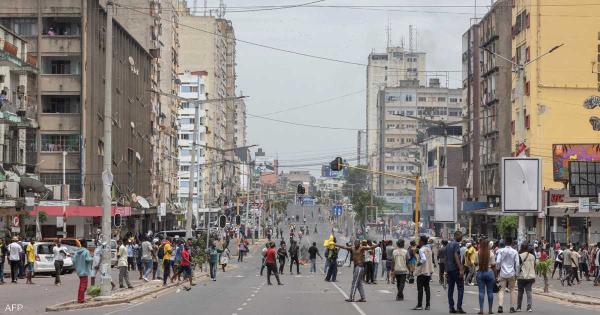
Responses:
[52,161]
[56,84]
[60,122]
[61,44]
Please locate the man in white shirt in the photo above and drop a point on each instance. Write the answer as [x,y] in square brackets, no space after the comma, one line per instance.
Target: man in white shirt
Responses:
[14,256]
[376,262]
[147,258]
[59,258]
[507,260]
[123,265]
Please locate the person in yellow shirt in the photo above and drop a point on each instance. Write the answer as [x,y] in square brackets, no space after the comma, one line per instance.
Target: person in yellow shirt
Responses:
[470,264]
[167,251]
[30,257]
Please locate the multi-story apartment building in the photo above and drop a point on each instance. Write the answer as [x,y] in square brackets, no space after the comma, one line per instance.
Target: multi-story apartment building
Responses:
[70,98]
[487,88]
[192,87]
[549,95]
[18,121]
[157,31]
[387,69]
[399,135]
[214,52]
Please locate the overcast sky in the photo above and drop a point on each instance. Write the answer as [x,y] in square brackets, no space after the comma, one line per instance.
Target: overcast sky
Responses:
[277,81]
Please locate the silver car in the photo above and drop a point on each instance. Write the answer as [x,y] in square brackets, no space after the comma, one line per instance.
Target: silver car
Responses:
[44,258]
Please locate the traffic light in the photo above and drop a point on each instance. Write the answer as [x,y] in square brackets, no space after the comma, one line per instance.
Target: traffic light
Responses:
[301,190]
[222,221]
[238,220]
[117,220]
[337,164]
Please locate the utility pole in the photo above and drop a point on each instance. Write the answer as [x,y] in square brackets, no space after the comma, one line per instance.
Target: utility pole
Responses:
[107,177]
[247,225]
[417,219]
[64,193]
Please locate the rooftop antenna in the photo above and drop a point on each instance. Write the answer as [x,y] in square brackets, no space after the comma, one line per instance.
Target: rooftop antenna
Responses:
[222,8]
[411,39]
[205,6]
[388,30]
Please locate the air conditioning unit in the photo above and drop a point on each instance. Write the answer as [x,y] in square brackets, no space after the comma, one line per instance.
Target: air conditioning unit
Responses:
[56,191]
[9,189]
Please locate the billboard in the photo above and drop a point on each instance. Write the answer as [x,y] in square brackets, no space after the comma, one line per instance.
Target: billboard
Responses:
[521,184]
[327,172]
[445,204]
[563,153]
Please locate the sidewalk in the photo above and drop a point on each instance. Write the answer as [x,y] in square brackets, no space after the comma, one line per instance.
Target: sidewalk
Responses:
[583,293]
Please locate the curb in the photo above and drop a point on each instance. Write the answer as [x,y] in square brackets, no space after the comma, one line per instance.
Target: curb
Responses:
[567,299]
[72,305]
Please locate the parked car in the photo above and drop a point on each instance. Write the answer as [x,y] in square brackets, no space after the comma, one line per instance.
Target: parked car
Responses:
[67,241]
[44,258]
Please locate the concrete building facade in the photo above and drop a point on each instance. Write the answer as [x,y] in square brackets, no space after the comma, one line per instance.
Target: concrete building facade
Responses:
[400,136]
[387,69]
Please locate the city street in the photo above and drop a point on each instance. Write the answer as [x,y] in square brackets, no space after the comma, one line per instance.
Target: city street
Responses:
[243,291]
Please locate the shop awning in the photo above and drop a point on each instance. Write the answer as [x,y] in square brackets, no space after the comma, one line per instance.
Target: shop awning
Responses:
[79,211]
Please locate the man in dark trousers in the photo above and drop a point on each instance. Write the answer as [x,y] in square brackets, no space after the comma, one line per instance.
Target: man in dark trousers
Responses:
[455,272]
[332,256]
[313,252]
[270,259]
[294,257]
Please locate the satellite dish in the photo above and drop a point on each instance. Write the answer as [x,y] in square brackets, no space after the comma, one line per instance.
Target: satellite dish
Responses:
[143,202]
[131,61]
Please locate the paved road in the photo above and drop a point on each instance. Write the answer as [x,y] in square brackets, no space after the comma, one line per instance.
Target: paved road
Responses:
[243,292]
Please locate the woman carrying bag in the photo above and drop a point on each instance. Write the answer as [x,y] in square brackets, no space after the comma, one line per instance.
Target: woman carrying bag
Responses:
[526,277]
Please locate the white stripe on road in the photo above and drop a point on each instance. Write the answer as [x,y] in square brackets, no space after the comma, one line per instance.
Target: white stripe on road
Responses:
[240,309]
[244,304]
[249,299]
[385,291]
[358,309]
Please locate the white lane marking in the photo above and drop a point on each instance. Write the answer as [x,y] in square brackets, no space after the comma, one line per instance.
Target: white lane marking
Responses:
[358,309]
[244,304]
[384,291]
[252,295]
[241,308]
[234,314]
[249,299]
[472,292]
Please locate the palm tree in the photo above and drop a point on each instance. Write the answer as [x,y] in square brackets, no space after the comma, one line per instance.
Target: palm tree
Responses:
[544,268]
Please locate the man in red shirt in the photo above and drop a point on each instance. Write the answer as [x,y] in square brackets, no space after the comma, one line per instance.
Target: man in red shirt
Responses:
[270,259]
[185,266]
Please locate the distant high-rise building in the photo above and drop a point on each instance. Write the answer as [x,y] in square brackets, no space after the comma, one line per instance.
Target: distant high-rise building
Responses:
[387,69]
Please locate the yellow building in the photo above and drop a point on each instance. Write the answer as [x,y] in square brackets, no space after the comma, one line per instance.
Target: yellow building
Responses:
[555,86]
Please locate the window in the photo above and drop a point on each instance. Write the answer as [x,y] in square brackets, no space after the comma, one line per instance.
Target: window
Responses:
[441,99]
[184,168]
[422,99]
[527,122]
[184,136]
[453,100]
[59,143]
[60,67]
[391,139]
[60,104]
[184,184]
[25,26]
[72,179]
[389,167]
[408,98]
[189,89]
[454,112]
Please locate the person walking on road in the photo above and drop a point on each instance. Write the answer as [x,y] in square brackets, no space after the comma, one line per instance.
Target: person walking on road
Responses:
[485,274]
[294,257]
[213,260]
[313,252]
[82,260]
[167,252]
[263,257]
[558,263]
[30,260]
[526,277]
[270,261]
[14,257]
[442,263]
[400,268]
[377,254]
[242,249]
[332,256]
[358,258]
[389,251]
[59,254]
[146,259]
[455,273]
[424,271]
[123,265]
[224,260]
[130,255]
[282,256]
[3,253]
[567,274]
[507,259]
[469,259]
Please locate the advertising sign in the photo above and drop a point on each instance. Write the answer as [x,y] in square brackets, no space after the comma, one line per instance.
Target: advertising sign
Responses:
[563,153]
[445,204]
[327,172]
[521,184]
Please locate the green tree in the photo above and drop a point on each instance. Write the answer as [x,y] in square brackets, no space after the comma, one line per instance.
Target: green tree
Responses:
[507,225]
[356,181]
[361,201]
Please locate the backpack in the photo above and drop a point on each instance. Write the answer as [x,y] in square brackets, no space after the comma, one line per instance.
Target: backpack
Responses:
[561,257]
[161,252]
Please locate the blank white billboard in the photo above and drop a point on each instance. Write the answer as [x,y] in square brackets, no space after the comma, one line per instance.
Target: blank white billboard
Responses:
[521,185]
[445,204]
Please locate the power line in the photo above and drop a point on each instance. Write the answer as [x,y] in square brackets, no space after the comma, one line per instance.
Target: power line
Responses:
[312,104]
[303,125]
[283,50]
